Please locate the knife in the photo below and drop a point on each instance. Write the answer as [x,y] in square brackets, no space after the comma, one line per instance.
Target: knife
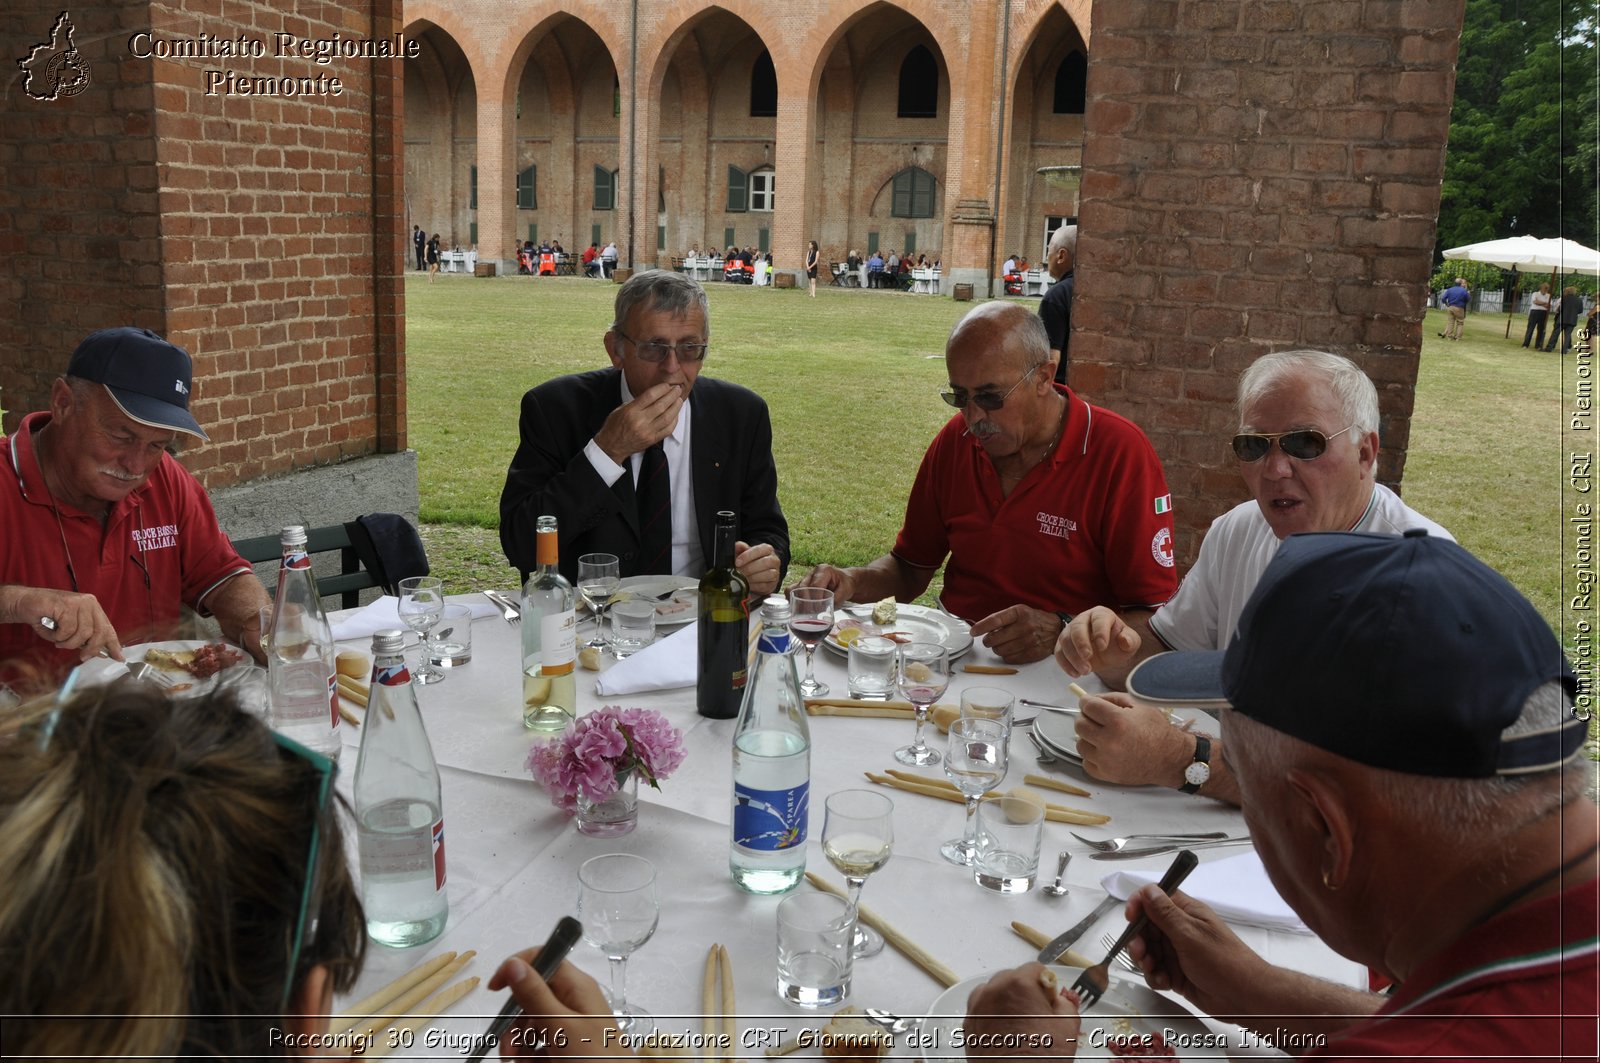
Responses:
[1052,952]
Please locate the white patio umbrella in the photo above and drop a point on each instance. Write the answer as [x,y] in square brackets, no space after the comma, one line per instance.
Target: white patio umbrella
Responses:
[1530,254]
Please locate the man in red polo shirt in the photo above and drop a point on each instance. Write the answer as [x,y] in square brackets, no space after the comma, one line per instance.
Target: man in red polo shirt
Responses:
[1044,504]
[109,534]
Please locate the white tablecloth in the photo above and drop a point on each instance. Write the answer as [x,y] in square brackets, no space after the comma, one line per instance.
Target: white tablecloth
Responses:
[513,858]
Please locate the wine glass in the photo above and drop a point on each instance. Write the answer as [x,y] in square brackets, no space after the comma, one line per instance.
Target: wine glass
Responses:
[421,605]
[598,576]
[922,671]
[975,761]
[811,618]
[857,838]
[618,907]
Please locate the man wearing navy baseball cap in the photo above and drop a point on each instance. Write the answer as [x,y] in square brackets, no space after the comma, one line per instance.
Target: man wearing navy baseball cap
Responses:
[1407,738]
[115,534]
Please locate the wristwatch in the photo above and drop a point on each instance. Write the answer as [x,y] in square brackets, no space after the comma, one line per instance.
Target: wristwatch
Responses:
[1199,769]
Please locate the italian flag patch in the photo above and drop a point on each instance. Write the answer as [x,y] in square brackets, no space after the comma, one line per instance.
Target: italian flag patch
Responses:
[1164,504]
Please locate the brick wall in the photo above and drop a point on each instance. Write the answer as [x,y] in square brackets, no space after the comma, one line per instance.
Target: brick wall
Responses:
[1257,176]
[259,232]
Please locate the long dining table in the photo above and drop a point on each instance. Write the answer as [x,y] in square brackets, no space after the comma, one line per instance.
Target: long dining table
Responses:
[512,857]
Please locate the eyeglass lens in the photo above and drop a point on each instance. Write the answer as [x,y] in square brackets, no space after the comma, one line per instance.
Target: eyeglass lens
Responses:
[1304,445]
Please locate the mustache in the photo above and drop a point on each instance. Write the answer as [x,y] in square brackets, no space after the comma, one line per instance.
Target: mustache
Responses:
[983,429]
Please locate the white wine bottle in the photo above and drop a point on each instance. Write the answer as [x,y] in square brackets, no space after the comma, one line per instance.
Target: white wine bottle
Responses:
[549,640]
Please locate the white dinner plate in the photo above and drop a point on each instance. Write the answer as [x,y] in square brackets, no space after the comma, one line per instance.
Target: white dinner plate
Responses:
[103,669]
[1059,730]
[918,621]
[682,607]
[1128,1007]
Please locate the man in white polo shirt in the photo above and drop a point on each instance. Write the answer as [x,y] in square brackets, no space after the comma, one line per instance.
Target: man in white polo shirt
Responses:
[1308,450]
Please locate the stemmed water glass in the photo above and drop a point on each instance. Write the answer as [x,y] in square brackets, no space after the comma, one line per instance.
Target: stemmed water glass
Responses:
[975,761]
[618,907]
[922,671]
[810,618]
[421,605]
[857,839]
[598,576]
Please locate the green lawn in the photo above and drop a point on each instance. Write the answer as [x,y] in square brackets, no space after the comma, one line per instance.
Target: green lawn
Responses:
[851,378]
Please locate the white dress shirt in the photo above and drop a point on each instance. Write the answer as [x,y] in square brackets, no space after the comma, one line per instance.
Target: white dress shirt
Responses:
[687,557]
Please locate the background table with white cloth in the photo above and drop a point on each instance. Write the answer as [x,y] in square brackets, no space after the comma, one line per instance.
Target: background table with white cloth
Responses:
[512,857]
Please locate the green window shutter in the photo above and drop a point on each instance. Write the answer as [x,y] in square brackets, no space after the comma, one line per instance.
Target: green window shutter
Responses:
[603,192]
[900,203]
[727,240]
[533,233]
[911,241]
[872,243]
[528,189]
[472,234]
[738,190]
[762,238]
[661,237]
[594,235]
[474,204]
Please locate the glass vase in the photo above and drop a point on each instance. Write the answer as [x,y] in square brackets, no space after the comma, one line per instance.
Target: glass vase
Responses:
[614,815]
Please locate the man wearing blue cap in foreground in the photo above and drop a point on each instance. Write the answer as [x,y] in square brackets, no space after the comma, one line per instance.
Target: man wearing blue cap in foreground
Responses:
[106,533]
[1407,738]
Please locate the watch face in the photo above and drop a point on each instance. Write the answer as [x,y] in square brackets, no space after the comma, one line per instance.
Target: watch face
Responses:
[1197,773]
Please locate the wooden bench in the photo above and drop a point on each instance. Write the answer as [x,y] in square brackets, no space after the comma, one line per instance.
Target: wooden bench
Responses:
[355,574]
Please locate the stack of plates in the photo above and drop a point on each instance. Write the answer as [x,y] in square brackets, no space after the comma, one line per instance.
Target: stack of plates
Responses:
[1057,732]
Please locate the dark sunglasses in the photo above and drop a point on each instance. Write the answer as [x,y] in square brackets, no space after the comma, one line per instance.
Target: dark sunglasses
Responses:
[984,400]
[1304,444]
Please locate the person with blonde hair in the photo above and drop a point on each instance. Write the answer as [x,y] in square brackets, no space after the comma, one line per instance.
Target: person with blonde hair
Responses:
[173,882]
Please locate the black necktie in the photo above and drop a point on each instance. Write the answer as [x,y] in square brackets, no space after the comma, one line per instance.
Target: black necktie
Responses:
[654,499]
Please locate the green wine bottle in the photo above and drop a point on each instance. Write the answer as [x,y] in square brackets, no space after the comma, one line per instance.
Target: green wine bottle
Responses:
[724,628]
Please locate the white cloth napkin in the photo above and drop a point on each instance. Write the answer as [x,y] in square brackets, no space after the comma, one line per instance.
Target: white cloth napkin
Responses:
[665,664]
[1237,889]
[384,615]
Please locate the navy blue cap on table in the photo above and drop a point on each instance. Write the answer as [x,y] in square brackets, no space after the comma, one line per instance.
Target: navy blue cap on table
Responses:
[148,378]
[1399,652]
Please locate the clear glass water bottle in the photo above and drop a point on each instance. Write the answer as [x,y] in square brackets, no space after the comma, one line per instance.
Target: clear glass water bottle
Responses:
[303,696]
[399,808]
[549,639]
[771,766]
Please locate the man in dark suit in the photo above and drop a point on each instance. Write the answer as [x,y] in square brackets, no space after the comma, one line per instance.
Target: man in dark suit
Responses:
[419,241]
[636,460]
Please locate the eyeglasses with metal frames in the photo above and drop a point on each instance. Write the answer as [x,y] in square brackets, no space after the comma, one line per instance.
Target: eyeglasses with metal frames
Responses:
[1303,444]
[654,351]
[985,400]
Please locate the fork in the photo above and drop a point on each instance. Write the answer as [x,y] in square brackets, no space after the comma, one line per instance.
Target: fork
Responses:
[512,615]
[1091,984]
[1106,941]
[1111,845]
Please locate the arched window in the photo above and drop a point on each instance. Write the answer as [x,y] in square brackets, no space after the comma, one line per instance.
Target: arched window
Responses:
[913,193]
[763,87]
[919,84]
[1071,77]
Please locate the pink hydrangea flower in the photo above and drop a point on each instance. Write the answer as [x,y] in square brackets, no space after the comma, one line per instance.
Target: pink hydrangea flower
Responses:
[598,749]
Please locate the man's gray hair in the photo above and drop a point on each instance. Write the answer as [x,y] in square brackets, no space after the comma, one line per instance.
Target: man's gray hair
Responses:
[1065,236]
[1024,326]
[1358,398]
[663,290]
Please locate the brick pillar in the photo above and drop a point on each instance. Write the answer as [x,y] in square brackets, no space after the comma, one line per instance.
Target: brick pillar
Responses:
[796,168]
[497,167]
[1258,176]
[975,95]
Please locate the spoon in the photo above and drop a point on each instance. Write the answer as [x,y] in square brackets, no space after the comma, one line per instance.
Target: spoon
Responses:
[1056,889]
[895,1024]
